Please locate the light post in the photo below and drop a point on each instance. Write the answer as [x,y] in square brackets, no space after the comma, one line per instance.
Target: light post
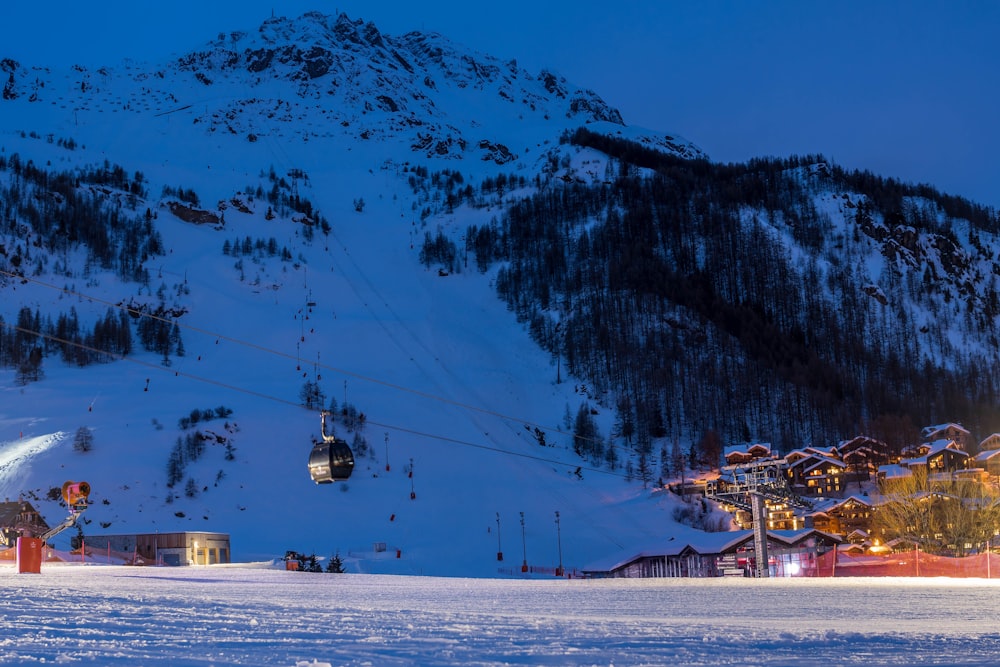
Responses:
[559,570]
[413,493]
[524,546]
[499,549]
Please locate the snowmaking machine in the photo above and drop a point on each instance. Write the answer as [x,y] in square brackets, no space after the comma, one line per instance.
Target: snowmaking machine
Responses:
[29,549]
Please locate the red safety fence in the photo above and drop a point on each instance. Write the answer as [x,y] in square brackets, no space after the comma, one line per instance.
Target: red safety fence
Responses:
[914,563]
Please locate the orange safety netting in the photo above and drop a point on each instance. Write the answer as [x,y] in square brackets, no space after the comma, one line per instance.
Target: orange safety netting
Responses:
[93,554]
[914,563]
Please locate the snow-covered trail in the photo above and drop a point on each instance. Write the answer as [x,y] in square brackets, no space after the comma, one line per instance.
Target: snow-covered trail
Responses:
[16,455]
[110,615]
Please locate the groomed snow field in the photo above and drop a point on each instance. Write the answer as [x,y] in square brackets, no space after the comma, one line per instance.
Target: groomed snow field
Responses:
[260,614]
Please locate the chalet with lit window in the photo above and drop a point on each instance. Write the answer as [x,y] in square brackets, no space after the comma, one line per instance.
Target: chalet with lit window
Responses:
[990,442]
[989,460]
[852,515]
[862,455]
[948,431]
[941,462]
[812,473]
[19,518]
[740,454]
[942,456]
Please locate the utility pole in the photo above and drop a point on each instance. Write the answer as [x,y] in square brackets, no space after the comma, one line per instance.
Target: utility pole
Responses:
[559,570]
[499,549]
[413,494]
[524,546]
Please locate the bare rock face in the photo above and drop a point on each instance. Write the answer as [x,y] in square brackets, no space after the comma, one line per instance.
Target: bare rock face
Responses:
[193,215]
[594,108]
[496,152]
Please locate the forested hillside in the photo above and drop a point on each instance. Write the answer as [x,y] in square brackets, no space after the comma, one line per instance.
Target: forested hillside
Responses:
[788,300]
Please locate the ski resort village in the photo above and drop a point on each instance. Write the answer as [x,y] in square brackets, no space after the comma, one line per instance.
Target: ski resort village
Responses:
[854,506]
[324,345]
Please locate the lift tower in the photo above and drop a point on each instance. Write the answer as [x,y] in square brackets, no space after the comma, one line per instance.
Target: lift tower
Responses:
[747,487]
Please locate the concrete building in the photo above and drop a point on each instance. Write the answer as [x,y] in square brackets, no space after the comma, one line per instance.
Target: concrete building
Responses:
[181,548]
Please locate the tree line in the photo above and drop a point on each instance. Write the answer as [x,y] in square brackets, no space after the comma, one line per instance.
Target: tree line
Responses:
[679,294]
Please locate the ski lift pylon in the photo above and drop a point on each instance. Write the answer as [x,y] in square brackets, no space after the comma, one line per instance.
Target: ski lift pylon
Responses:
[331,459]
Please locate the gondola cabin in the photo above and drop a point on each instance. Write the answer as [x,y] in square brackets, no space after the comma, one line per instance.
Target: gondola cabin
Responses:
[331,460]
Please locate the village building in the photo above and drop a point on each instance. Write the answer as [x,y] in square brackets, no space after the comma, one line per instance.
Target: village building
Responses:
[989,460]
[942,456]
[990,442]
[790,554]
[851,515]
[811,473]
[941,460]
[862,455]
[949,431]
[19,518]
[180,548]
[740,454]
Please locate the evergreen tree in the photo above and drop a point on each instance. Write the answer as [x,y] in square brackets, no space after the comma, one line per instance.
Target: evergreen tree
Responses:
[175,465]
[585,432]
[83,440]
[336,565]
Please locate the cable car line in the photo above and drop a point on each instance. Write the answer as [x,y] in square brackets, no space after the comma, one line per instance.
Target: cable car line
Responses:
[278,353]
[277,399]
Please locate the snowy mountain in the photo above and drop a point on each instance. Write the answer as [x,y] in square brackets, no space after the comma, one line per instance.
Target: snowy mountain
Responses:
[315,146]
[199,255]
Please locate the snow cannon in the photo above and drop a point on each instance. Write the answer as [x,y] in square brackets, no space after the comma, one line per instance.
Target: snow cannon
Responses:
[75,494]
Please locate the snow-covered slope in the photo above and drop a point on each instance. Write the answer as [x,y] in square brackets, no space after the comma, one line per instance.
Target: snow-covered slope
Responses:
[451,386]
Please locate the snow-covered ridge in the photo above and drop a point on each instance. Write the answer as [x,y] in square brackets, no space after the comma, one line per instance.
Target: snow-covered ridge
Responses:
[332,76]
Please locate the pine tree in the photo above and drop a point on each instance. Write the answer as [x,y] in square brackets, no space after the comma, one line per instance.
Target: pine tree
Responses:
[312,564]
[83,441]
[585,432]
[336,565]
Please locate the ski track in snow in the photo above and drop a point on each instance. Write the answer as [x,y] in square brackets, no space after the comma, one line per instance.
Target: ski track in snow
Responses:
[16,454]
[261,615]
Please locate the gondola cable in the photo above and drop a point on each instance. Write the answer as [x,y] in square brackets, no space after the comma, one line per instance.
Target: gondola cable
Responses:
[278,353]
[277,399]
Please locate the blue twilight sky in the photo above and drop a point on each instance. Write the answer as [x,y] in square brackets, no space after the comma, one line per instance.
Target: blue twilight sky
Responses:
[906,88]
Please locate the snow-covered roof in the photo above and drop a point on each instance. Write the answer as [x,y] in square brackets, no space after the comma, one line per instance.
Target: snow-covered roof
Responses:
[894,471]
[992,441]
[746,448]
[855,499]
[705,544]
[825,461]
[928,431]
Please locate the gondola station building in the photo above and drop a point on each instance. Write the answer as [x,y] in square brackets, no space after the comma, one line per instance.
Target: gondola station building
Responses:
[180,548]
